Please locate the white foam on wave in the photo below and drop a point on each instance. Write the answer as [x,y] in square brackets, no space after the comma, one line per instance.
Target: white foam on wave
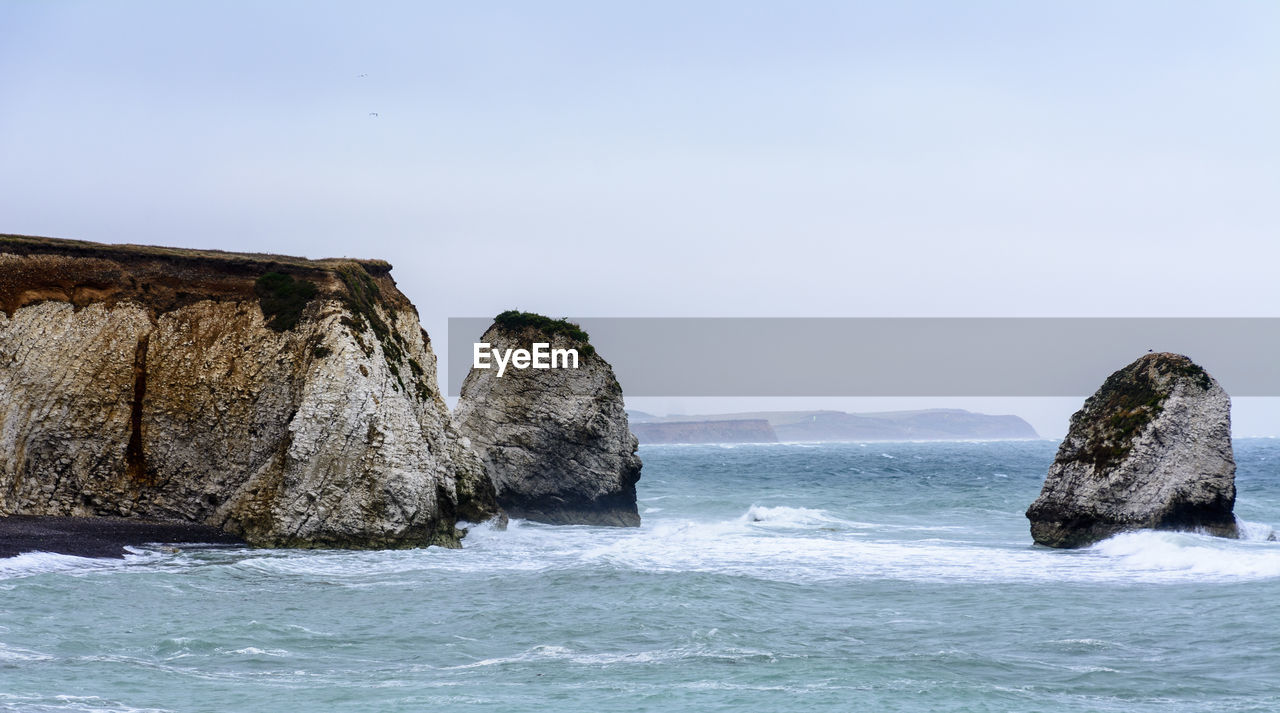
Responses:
[15,653]
[766,541]
[1184,555]
[783,543]
[730,549]
[255,651]
[794,544]
[586,658]
[81,704]
[1256,531]
[33,563]
[785,516]
[356,568]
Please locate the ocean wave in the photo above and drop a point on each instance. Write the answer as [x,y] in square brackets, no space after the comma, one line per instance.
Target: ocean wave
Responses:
[33,563]
[80,704]
[766,541]
[786,516]
[1182,555]
[795,544]
[14,653]
[1256,531]
[254,651]
[565,654]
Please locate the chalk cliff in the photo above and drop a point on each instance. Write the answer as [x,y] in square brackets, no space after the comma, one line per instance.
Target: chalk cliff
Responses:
[555,442]
[289,402]
[1150,449]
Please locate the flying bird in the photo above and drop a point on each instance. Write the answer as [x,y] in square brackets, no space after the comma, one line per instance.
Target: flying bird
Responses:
[362,75]
[374,114]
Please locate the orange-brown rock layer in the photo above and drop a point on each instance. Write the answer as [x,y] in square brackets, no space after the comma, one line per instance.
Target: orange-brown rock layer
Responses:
[35,269]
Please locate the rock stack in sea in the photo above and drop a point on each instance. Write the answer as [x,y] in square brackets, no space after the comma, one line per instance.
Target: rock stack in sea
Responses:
[555,442]
[1150,449]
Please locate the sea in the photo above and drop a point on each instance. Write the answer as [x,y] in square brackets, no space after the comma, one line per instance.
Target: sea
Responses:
[784,577]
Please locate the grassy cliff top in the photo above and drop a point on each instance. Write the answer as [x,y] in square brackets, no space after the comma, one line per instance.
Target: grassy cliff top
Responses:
[37,269]
[516,321]
[37,245]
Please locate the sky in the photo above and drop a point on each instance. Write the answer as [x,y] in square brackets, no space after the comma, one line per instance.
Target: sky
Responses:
[815,159]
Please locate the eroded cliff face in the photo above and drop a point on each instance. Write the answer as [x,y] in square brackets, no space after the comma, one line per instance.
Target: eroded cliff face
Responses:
[555,442]
[1150,449]
[287,401]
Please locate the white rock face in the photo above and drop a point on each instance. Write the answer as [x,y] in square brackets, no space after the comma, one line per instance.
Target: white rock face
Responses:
[1150,449]
[555,442]
[328,434]
[66,394]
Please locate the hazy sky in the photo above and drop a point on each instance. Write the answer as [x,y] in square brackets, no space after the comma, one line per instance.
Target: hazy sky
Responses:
[692,159]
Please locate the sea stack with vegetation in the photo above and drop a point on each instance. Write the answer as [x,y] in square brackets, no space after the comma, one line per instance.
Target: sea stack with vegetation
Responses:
[554,441]
[288,402]
[1150,449]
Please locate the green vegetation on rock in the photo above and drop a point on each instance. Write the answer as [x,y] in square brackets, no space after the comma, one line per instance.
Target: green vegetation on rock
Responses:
[516,320]
[282,299]
[1195,372]
[363,296]
[1128,401]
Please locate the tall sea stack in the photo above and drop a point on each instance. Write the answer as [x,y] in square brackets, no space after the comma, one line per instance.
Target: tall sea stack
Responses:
[1150,449]
[290,402]
[555,442]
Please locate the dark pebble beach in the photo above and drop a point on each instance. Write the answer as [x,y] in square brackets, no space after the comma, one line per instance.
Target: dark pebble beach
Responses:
[98,536]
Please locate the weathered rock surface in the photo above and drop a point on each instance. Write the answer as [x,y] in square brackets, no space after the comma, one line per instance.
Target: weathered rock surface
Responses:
[555,442]
[1150,449]
[286,401]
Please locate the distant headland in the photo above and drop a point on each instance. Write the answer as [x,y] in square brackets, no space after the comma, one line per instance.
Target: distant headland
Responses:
[820,426]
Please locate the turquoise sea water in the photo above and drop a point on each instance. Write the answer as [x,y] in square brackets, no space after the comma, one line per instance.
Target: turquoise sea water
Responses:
[835,577]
